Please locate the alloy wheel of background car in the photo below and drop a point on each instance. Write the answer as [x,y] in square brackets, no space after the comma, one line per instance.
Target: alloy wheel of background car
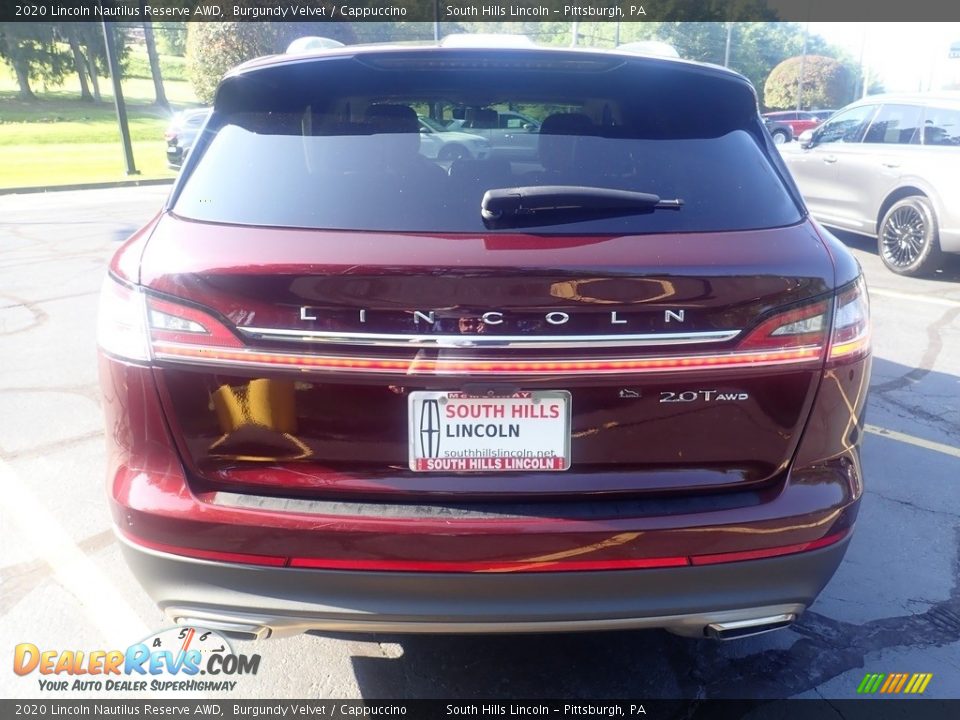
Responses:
[907,241]
[779,137]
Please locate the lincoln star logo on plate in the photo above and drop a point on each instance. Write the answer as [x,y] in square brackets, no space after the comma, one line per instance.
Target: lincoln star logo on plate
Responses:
[430,428]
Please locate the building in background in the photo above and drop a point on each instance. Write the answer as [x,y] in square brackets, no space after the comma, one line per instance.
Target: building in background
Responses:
[951,75]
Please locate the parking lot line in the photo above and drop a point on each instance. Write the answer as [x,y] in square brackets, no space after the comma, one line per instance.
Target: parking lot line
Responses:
[98,598]
[913,440]
[914,297]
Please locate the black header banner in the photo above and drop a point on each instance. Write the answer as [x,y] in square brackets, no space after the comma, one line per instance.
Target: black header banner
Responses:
[478,10]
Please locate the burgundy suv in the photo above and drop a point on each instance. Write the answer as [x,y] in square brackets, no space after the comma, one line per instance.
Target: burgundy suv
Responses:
[785,126]
[350,388]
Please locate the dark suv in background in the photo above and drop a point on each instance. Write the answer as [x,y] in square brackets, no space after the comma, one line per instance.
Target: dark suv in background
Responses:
[619,384]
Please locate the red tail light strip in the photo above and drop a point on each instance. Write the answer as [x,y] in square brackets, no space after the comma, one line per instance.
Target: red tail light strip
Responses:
[487,567]
[769,552]
[851,350]
[482,566]
[213,555]
[177,352]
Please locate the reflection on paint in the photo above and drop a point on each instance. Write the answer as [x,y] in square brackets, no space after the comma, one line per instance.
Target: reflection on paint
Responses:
[258,421]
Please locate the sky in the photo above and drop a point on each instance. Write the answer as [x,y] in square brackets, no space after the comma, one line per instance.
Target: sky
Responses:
[908,57]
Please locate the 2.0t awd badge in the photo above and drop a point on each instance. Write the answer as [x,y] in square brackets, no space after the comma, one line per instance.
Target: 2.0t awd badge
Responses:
[670,396]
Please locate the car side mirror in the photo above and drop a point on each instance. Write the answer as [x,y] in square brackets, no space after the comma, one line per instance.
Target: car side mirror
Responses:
[530,127]
[807,139]
[424,131]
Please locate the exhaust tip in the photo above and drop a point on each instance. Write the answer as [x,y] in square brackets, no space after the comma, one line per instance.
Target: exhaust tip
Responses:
[736,629]
[232,630]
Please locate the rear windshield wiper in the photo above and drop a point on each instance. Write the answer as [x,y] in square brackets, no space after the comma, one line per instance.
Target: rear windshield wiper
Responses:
[550,204]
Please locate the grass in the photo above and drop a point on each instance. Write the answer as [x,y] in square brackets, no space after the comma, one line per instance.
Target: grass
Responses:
[138,66]
[50,165]
[60,140]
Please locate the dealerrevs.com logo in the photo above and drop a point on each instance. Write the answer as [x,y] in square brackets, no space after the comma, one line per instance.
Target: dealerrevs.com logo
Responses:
[181,659]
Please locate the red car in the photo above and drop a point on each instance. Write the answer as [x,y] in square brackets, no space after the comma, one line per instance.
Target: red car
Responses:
[350,388]
[787,125]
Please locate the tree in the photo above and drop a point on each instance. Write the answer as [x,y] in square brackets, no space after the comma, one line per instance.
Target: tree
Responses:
[215,47]
[826,83]
[159,95]
[93,56]
[90,37]
[31,50]
[172,38]
[69,33]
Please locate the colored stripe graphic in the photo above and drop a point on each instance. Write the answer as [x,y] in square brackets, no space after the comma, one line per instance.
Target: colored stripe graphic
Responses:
[922,682]
[894,683]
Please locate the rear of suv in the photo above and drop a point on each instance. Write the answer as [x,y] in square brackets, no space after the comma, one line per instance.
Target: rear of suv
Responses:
[351,388]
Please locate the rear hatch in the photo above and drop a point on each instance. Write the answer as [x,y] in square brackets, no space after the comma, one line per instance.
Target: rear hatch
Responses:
[332,316]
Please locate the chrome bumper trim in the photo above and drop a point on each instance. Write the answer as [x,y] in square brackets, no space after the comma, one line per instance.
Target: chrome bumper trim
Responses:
[487,341]
[277,626]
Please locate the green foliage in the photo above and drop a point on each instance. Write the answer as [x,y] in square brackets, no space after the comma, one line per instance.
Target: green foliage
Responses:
[138,66]
[826,83]
[755,47]
[171,38]
[214,48]
[31,50]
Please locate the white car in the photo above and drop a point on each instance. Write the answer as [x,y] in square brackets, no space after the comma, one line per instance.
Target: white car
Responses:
[436,142]
[512,135]
[887,167]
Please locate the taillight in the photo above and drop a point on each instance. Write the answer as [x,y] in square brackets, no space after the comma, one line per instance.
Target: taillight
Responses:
[804,327]
[131,324]
[122,322]
[138,327]
[850,339]
[175,323]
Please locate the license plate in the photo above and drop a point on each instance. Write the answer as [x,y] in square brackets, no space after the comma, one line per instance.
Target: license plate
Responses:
[455,432]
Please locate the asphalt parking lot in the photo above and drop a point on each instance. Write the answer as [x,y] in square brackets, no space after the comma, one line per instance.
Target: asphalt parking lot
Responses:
[894,605]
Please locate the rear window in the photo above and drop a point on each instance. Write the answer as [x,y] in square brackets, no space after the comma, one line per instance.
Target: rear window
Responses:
[372,149]
[941,126]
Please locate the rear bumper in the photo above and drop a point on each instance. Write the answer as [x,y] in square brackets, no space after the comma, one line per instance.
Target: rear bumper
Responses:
[950,238]
[257,601]
[286,565]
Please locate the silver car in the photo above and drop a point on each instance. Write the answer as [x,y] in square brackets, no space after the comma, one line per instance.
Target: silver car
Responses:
[888,166]
[440,143]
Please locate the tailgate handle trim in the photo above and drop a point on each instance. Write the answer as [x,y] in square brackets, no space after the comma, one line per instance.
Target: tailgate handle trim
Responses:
[487,341]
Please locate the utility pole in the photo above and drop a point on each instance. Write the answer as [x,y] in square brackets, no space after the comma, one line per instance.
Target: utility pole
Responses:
[576,33]
[436,21]
[864,66]
[118,103]
[616,35]
[726,52]
[803,62]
